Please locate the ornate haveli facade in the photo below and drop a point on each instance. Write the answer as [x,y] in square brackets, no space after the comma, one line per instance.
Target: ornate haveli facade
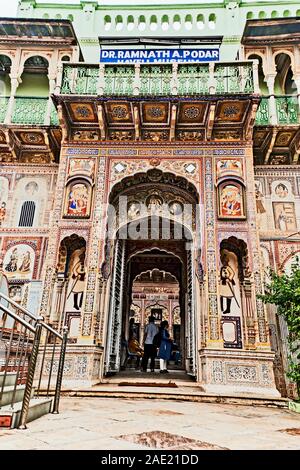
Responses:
[150,164]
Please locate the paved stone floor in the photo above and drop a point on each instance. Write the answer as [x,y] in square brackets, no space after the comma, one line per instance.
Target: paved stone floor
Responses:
[109,424]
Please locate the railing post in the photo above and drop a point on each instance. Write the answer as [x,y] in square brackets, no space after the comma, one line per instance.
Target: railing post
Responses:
[212,81]
[174,83]
[101,80]
[137,79]
[60,371]
[30,377]
[255,77]
[59,78]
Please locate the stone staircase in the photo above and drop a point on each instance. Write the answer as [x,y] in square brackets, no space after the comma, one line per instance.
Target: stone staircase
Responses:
[12,393]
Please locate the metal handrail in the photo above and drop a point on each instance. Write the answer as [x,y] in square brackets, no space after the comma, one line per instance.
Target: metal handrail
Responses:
[39,319]
[17,318]
[22,341]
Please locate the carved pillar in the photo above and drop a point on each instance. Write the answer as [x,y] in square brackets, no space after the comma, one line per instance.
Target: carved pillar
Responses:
[174,84]
[50,262]
[270,79]
[214,339]
[90,299]
[137,79]
[249,315]
[254,254]
[101,80]
[297,81]
[50,105]
[15,82]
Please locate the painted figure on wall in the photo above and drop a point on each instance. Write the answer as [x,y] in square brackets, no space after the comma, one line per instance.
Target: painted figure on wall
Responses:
[260,208]
[77,273]
[79,166]
[12,265]
[19,261]
[3,198]
[154,203]
[175,208]
[227,287]
[78,200]
[15,293]
[133,210]
[229,166]
[31,188]
[25,265]
[281,191]
[231,201]
[2,212]
[284,216]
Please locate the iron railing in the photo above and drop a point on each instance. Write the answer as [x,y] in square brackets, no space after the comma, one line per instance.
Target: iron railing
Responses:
[286,110]
[29,348]
[158,79]
[28,110]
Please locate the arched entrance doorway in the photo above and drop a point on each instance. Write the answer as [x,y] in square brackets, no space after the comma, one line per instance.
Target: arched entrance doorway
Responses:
[157,237]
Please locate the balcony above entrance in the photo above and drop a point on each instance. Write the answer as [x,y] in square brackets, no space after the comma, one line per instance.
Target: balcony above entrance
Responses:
[157,103]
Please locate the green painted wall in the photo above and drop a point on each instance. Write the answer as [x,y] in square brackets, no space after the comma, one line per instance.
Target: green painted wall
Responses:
[182,18]
[4,85]
[33,85]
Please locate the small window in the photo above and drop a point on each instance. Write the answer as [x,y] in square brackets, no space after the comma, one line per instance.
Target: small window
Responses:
[27,214]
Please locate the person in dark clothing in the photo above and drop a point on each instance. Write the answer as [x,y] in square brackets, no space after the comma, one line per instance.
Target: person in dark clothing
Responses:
[149,348]
[164,352]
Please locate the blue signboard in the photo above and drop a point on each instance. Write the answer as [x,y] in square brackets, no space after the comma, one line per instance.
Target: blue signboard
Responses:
[125,56]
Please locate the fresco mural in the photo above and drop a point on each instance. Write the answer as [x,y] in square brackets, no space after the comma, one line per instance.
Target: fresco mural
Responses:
[3,198]
[229,167]
[19,262]
[81,166]
[284,216]
[231,201]
[78,200]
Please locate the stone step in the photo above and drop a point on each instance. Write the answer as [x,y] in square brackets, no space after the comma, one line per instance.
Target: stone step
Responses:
[9,418]
[9,378]
[8,392]
[181,393]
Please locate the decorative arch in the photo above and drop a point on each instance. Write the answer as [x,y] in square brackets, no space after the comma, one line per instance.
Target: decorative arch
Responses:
[78,198]
[67,246]
[231,199]
[240,249]
[154,176]
[288,259]
[287,53]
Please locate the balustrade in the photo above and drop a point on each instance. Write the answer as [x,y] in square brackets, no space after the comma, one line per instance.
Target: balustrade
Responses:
[287,111]
[158,79]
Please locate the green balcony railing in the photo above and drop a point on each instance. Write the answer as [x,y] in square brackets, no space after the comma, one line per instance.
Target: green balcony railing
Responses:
[119,80]
[158,79]
[263,113]
[285,107]
[3,108]
[28,110]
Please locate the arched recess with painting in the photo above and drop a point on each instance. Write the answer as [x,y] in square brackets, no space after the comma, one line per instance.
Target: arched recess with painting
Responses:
[69,285]
[236,295]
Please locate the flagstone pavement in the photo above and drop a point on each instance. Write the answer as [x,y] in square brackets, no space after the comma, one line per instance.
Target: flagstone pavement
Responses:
[110,424]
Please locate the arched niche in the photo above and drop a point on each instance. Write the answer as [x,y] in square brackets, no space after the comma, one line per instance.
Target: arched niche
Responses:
[231,199]
[261,76]
[5,67]
[34,79]
[284,82]
[78,198]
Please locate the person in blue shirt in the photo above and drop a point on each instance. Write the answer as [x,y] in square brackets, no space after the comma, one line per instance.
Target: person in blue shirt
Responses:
[164,352]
